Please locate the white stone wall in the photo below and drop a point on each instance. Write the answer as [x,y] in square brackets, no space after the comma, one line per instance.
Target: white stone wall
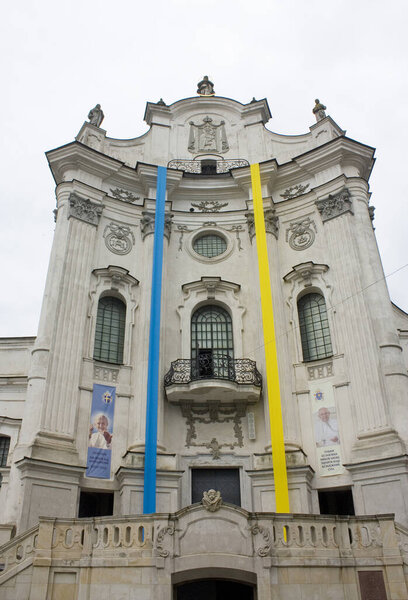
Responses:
[318,241]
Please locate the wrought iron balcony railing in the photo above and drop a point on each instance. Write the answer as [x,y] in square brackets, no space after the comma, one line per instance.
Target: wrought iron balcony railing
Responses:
[239,370]
[199,167]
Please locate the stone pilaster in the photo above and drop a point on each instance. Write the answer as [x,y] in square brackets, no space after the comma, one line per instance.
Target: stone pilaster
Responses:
[60,344]
[381,313]
[356,336]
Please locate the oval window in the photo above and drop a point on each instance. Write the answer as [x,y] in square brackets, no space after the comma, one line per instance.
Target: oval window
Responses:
[210,245]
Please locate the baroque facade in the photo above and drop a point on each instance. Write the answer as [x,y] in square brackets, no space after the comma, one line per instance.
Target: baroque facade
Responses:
[71,500]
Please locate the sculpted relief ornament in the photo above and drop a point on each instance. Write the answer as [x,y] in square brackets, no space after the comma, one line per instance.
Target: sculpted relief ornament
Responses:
[294,191]
[301,234]
[119,238]
[123,195]
[335,205]
[209,206]
[207,137]
[212,500]
[84,209]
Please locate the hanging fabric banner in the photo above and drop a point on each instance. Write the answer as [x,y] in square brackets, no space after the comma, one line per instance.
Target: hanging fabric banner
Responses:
[326,429]
[149,494]
[98,463]
[271,358]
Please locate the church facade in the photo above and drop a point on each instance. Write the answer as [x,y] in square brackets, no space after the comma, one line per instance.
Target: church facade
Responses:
[73,410]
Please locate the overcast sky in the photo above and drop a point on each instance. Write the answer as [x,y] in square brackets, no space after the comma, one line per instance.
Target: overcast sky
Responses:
[60,59]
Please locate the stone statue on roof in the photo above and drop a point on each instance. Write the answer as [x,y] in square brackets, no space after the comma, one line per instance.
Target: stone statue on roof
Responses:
[96,116]
[318,110]
[205,87]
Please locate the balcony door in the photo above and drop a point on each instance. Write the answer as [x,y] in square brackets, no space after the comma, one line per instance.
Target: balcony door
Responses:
[212,347]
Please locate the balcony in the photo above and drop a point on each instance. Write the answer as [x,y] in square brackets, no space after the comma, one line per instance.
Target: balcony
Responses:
[211,377]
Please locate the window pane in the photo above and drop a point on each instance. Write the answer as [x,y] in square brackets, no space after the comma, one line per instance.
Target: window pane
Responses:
[314,327]
[4,450]
[210,245]
[110,330]
[212,348]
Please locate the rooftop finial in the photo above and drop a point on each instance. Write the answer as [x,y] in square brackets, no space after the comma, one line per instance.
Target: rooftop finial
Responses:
[205,87]
[318,110]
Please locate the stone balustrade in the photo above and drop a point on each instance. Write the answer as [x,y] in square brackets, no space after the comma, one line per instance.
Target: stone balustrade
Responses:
[194,534]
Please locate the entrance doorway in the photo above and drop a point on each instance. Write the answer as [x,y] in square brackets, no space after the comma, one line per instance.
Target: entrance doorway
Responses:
[213,589]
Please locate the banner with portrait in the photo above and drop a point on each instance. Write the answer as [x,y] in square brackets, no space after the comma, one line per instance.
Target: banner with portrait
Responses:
[326,429]
[98,463]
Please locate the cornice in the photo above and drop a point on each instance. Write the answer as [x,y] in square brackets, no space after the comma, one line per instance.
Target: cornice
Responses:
[251,112]
[268,171]
[209,284]
[75,156]
[341,150]
[147,175]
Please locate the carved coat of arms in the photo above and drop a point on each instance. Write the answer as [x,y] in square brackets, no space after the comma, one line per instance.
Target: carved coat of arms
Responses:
[207,137]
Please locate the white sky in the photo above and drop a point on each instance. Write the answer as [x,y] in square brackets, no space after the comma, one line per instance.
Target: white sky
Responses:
[60,59]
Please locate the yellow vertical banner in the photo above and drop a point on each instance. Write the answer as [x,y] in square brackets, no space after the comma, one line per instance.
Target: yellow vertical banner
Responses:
[271,356]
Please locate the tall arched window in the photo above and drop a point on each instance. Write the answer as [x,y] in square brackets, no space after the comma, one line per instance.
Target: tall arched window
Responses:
[212,347]
[110,330]
[314,327]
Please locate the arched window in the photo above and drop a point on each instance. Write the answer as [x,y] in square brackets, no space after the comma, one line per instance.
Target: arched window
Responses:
[212,348]
[110,330]
[4,449]
[314,327]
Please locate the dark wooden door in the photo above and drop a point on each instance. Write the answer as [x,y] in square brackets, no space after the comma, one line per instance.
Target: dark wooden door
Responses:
[214,589]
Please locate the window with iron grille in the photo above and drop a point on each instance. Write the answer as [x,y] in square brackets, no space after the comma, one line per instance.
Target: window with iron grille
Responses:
[110,330]
[212,348]
[314,327]
[4,449]
[210,245]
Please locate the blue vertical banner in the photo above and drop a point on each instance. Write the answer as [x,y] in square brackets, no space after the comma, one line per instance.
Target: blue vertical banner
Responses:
[149,495]
[98,463]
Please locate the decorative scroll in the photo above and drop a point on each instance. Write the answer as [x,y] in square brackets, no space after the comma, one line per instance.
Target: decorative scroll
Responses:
[160,549]
[264,550]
